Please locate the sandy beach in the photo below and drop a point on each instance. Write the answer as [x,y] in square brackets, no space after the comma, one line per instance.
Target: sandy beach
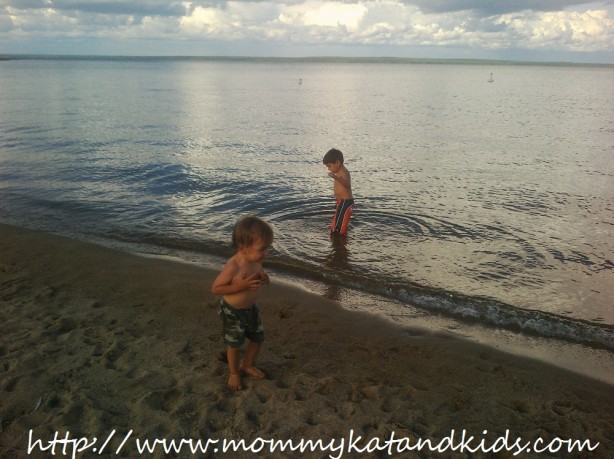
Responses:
[116,348]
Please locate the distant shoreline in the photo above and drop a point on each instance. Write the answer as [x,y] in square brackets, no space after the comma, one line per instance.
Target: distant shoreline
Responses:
[310,59]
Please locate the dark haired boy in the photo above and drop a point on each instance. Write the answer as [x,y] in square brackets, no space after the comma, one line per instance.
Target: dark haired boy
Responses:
[342,188]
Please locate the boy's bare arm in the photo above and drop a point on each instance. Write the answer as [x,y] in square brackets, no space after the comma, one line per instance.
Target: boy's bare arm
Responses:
[343,177]
[226,282]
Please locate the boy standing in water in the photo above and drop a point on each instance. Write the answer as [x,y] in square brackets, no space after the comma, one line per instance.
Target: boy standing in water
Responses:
[342,188]
[239,284]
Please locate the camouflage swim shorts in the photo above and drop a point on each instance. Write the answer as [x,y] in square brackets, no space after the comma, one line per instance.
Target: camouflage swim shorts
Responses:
[239,324]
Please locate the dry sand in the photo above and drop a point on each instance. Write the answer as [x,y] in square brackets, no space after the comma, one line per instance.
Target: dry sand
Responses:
[95,340]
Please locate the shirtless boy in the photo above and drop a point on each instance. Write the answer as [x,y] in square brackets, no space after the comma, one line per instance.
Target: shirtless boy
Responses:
[239,283]
[342,188]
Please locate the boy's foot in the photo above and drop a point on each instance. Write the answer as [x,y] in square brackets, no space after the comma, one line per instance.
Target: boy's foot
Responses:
[253,372]
[234,382]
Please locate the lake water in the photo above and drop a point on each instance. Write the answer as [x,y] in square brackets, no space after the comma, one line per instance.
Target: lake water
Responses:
[482,202]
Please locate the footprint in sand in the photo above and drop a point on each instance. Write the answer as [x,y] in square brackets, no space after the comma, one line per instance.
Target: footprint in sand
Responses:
[162,400]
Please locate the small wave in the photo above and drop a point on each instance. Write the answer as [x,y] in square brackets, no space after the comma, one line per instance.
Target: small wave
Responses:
[485,311]
[489,312]
[501,315]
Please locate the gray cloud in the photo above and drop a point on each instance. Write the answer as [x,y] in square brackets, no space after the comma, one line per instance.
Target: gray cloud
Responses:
[139,7]
[179,8]
[495,7]
[112,7]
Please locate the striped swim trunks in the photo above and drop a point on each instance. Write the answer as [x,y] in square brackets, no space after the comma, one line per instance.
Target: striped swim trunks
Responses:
[341,219]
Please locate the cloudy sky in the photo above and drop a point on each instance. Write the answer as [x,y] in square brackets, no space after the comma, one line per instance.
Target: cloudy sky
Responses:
[555,30]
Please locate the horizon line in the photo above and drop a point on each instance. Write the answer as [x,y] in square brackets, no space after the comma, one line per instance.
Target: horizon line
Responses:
[315,58]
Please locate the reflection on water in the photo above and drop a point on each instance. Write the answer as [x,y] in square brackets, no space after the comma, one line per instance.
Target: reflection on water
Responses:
[336,261]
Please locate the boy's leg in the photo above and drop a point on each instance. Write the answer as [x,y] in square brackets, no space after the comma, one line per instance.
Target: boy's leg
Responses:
[251,352]
[234,336]
[333,223]
[254,332]
[234,378]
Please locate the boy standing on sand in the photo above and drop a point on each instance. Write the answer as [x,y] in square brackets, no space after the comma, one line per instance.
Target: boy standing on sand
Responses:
[239,284]
[342,188]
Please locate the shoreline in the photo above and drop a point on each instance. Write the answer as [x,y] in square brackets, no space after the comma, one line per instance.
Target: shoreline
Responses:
[96,339]
[593,362]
